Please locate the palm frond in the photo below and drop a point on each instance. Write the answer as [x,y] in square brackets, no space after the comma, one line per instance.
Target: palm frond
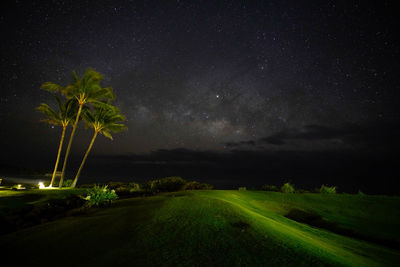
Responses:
[106,134]
[103,105]
[105,120]
[88,88]
[102,93]
[48,111]
[64,116]
[52,122]
[52,87]
[115,127]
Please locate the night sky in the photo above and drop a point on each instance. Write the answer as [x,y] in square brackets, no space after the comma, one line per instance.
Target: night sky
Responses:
[227,92]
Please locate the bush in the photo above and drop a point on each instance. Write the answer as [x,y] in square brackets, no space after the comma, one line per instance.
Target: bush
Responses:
[194,185]
[273,188]
[99,196]
[242,188]
[67,183]
[116,185]
[18,187]
[287,188]
[327,190]
[168,184]
[124,189]
[86,185]
[134,187]
[146,187]
[302,191]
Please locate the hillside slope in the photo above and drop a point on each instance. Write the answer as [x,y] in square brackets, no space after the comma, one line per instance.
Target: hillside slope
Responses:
[204,228]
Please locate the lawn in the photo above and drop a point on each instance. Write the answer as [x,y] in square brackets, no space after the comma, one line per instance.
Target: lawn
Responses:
[218,227]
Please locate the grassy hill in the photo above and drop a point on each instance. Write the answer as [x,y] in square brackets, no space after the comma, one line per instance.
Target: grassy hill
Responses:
[226,228]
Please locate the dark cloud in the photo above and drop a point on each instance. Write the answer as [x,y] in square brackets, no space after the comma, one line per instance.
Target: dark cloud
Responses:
[242,143]
[357,136]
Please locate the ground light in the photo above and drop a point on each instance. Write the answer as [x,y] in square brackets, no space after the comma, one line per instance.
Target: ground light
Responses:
[42,186]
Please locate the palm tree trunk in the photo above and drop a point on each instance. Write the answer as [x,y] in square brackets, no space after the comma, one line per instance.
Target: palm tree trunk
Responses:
[69,145]
[58,156]
[84,159]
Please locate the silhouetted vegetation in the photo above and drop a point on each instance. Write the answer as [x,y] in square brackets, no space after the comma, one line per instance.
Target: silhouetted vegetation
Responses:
[327,190]
[272,188]
[34,211]
[67,183]
[168,184]
[287,188]
[194,185]
[100,115]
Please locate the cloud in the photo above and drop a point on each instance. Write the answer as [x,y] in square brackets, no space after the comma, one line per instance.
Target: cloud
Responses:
[237,144]
[349,135]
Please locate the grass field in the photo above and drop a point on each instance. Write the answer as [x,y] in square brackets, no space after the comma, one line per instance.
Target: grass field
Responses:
[218,227]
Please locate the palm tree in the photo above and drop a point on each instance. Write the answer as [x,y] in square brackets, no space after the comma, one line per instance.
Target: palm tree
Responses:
[85,90]
[103,120]
[63,117]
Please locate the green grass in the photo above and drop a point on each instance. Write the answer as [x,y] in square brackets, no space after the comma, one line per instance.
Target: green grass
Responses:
[203,228]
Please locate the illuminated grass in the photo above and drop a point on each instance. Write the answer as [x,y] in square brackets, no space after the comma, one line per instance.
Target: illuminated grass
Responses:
[224,228]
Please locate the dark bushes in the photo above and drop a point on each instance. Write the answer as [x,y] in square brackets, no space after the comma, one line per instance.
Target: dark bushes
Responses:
[168,184]
[33,214]
[327,190]
[273,188]
[67,183]
[173,184]
[287,188]
[194,185]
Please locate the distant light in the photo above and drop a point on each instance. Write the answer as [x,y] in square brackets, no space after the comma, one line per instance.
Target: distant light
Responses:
[41,185]
[19,186]
[217,96]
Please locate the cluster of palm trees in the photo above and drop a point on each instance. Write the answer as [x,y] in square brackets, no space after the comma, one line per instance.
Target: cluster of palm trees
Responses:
[84,99]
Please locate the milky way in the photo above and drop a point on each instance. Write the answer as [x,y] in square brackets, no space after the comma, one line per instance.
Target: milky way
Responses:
[206,75]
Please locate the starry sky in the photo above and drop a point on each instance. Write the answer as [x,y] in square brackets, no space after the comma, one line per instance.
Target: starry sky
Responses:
[228,92]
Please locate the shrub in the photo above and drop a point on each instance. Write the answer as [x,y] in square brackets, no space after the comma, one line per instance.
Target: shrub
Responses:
[302,191]
[86,185]
[242,188]
[360,193]
[99,196]
[327,190]
[67,183]
[116,185]
[270,188]
[124,189]
[146,187]
[134,186]
[18,187]
[194,185]
[168,184]
[287,188]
